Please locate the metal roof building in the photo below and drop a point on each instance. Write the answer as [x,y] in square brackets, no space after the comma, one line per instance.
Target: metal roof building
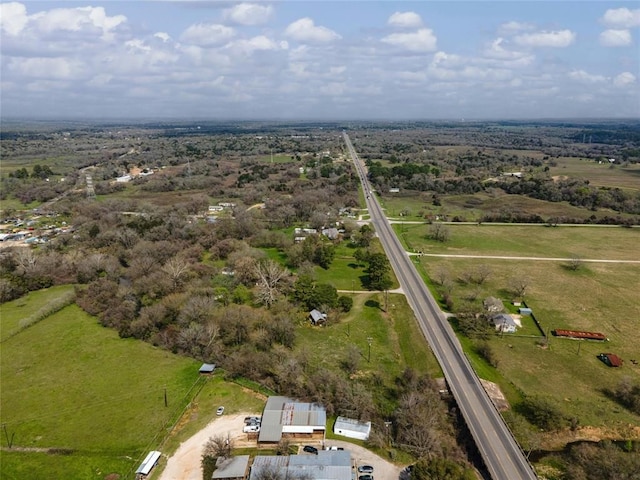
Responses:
[231,468]
[283,416]
[349,427]
[326,465]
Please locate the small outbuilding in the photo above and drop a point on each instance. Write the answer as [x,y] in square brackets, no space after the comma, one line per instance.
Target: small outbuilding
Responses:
[525,311]
[317,317]
[207,368]
[351,428]
[147,464]
[610,359]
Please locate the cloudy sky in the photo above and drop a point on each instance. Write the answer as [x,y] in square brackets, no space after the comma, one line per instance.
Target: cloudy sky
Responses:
[320,59]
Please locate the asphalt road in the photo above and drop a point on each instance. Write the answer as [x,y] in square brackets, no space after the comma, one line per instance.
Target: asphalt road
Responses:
[502,455]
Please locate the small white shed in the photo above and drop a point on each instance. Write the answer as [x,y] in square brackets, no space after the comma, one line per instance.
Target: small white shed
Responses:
[348,427]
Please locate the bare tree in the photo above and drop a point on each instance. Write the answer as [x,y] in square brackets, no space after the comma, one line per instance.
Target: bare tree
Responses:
[439,232]
[481,274]
[177,268]
[218,446]
[271,280]
[575,263]
[519,285]
[441,275]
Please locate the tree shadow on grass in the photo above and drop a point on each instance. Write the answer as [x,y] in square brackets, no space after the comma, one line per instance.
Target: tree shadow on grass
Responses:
[372,304]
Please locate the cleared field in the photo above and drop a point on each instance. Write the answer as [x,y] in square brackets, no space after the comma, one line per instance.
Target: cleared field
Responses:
[612,243]
[473,207]
[599,174]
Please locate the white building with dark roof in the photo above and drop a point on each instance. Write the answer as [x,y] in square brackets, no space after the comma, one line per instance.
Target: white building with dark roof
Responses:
[284,417]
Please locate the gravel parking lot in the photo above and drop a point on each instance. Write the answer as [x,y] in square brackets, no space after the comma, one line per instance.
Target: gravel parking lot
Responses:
[184,464]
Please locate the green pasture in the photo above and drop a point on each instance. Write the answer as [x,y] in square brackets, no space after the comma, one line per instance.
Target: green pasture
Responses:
[599,174]
[472,207]
[596,297]
[277,158]
[22,308]
[68,383]
[396,340]
[345,273]
[593,242]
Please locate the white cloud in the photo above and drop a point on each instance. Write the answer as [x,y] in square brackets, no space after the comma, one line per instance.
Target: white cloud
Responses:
[249,13]
[511,28]
[584,77]
[46,68]
[421,41]
[333,89]
[304,30]
[162,36]
[405,20]
[624,79]
[207,34]
[615,38]
[259,43]
[498,51]
[559,39]
[13,17]
[621,18]
[76,20]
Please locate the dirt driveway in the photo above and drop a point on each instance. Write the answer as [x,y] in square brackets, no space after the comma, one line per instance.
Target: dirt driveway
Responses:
[184,464]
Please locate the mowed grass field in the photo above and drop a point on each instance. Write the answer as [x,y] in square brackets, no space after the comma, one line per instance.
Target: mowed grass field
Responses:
[72,385]
[599,174]
[598,297]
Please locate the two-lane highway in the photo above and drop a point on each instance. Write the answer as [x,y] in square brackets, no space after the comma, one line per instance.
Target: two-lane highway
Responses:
[501,453]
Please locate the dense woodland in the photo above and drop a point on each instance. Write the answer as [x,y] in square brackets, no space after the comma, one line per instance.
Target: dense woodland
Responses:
[148,263]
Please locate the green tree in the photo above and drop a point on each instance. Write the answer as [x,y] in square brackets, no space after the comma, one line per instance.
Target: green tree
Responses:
[440,469]
[378,271]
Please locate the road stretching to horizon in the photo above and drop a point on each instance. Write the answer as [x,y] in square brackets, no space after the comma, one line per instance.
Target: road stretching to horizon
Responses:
[502,455]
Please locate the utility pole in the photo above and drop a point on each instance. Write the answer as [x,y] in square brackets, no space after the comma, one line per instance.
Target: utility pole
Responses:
[369,340]
[166,404]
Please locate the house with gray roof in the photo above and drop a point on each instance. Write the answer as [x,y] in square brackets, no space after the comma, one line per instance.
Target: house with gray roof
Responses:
[504,323]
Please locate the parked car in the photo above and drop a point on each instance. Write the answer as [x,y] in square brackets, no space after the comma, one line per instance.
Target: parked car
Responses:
[220,411]
[365,469]
[251,428]
[366,476]
[310,449]
[252,420]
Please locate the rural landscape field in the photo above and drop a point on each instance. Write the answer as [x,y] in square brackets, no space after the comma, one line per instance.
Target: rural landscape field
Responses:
[132,253]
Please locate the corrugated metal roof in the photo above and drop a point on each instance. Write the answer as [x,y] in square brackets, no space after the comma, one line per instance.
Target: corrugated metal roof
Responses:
[344,423]
[327,465]
[281,411]
[233,467]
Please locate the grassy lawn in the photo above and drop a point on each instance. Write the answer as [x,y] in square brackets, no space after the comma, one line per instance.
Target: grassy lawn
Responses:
[69,383]
[22,308]
[345,273]
[396,340]
[611,243]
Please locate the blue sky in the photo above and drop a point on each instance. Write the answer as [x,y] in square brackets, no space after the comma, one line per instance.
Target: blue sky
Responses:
[324,60]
